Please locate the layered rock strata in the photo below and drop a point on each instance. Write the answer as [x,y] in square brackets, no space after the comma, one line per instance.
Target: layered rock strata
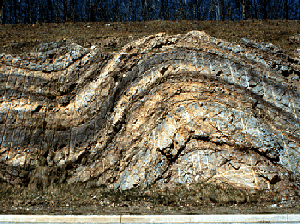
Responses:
[165,109]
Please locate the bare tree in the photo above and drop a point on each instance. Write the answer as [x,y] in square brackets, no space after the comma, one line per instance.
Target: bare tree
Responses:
[264,4]
[57,11]
[243,9]
[286,9]
[144,13]
[195,6]
[152,5]
[215,10]
[50,11]
[1,11]
[72,8]
[65,12]
[222,9]
[183,10]
[246,8]
[164,9]
[298,8]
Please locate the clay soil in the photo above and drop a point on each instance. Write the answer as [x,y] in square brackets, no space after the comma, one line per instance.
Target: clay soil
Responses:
[86,198]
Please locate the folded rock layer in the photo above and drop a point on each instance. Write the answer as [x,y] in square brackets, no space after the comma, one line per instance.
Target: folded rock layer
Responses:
[164,110]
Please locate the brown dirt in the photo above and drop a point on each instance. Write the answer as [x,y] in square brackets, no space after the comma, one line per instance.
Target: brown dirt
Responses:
[111,36]
[90,200]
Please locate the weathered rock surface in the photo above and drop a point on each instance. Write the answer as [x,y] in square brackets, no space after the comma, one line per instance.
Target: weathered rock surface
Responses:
[165,109]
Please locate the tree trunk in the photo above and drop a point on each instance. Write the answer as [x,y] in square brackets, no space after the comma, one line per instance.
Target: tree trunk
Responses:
[265,11]
[50,11]
[72,5]
[243,9]
[218,12]
[1,11]
[214,10]
[163,9]
[197,9]
[144,9]
[286,9]
[57,13]
[182,10]
[65,4]
[18,12]
[222,10]
[13,13]
[298,9]
[255,10]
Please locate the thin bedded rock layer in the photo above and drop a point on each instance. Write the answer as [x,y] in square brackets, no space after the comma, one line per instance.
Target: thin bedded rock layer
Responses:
[164,110]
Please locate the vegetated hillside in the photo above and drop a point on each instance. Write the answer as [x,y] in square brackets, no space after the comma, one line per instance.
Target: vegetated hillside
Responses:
[170,120]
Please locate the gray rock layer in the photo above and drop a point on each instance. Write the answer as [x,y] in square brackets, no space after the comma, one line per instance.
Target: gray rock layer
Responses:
[165,109]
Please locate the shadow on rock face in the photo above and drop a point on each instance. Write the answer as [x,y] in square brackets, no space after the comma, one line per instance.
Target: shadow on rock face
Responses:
[165,110]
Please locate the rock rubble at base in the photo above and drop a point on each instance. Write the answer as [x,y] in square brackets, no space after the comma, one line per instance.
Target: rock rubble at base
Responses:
[183,109]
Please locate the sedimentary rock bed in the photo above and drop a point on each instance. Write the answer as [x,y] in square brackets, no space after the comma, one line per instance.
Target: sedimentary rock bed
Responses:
[165,109]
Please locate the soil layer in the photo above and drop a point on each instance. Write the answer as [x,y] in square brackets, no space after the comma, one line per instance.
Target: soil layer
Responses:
[86,199]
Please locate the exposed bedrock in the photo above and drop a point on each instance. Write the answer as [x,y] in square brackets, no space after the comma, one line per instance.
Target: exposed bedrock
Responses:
[165,109]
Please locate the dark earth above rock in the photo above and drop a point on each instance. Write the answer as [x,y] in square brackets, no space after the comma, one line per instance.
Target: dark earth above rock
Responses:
[165,110]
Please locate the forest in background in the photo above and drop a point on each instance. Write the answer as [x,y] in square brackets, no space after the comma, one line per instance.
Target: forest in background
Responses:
[60,11]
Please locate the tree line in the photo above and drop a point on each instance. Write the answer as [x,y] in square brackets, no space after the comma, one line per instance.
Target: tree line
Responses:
[58,11]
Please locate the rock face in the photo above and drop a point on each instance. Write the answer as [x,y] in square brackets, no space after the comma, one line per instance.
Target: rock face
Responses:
[165,109]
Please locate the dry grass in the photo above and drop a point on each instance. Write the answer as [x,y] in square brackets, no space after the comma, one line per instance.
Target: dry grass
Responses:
[87,199]
[23,38]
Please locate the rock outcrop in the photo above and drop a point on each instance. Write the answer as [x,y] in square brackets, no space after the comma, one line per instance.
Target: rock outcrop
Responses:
[165,109]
